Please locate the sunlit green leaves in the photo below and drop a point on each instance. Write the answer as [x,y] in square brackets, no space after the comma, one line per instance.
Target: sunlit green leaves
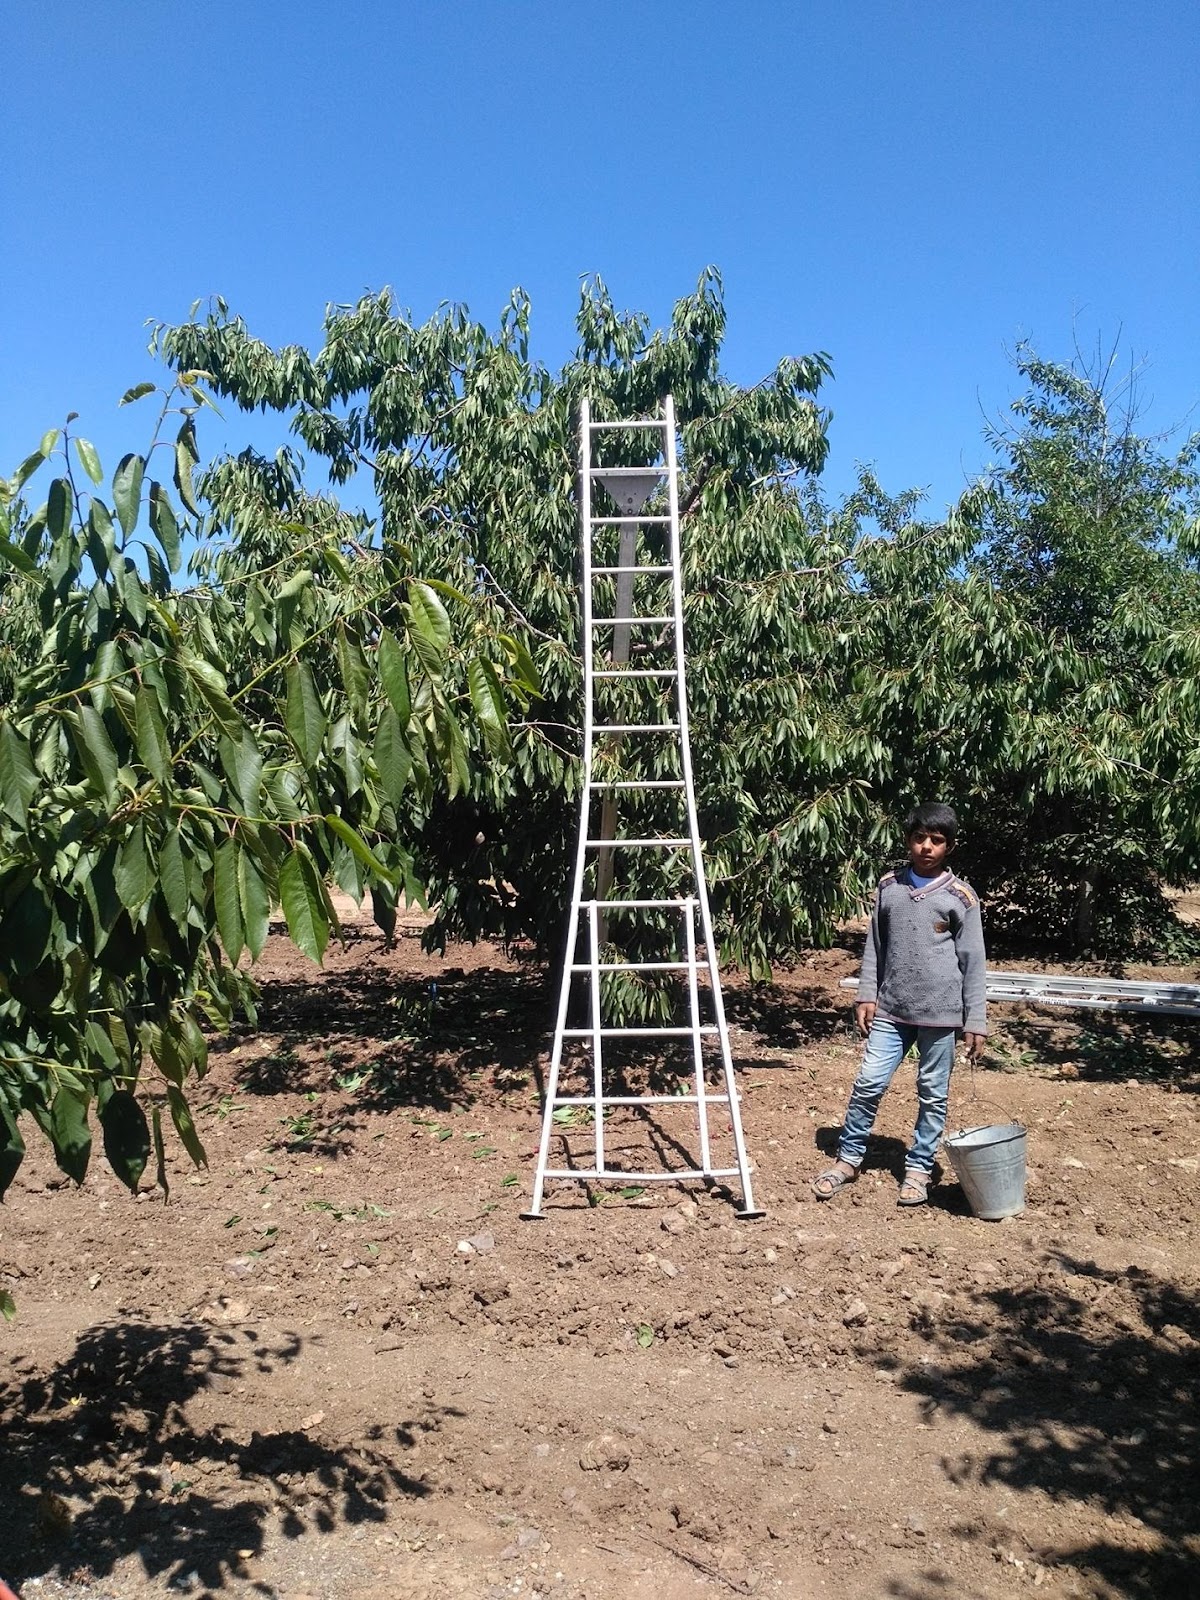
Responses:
[127,491]
[304,716]
[430,627]
[133,871]
[164,524]
[19,781]
[227,898]
[89,460]
[487,697]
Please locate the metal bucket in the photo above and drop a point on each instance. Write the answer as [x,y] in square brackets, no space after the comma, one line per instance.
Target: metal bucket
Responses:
[990,1164]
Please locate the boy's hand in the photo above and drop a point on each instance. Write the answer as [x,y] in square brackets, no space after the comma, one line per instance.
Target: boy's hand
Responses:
[864,1015]
[974,1043]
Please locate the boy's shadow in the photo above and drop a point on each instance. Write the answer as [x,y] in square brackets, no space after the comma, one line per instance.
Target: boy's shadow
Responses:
[885,1154]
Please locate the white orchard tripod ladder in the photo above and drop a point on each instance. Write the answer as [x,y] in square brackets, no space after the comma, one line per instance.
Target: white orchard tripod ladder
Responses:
[639,759]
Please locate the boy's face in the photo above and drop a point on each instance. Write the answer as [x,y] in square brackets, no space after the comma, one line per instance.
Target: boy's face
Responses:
[927,850]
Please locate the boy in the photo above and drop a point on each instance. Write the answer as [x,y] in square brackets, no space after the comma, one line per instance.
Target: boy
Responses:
[922,982]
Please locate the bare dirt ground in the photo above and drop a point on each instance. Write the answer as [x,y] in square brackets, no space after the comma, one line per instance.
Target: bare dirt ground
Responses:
[338,1366]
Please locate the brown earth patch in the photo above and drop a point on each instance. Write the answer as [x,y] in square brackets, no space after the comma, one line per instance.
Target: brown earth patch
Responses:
[339,1366]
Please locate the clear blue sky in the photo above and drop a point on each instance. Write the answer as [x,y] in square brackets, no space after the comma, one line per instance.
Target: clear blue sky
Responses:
[909,187]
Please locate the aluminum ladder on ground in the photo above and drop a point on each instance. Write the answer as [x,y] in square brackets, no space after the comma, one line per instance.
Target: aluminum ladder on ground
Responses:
[631,545]
[1092,994]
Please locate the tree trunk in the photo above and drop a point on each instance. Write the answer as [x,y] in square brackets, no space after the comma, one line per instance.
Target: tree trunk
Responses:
[1085,910]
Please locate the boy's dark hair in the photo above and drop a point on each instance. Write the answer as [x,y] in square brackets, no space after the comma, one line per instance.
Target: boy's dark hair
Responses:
[934,816]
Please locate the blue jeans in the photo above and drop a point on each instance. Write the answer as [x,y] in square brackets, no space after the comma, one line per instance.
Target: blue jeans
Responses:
[887,1045]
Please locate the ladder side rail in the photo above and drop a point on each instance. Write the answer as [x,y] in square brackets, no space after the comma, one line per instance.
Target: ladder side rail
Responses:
[685,751]
[597,1034]
[689,930]
[572,944]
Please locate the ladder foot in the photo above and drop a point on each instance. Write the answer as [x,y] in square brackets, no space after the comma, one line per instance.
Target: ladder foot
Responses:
[533,1216]
[748,1216]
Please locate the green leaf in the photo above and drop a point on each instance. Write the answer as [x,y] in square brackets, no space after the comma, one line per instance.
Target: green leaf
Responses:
[8,1306]
[138,392]
[359,848]
[243,766]
[126,1137]
[186,459]
[59,505]
[303,906]
[69,1132]
[459,765]
[12,1148]
[488,701]
[211,685]
[227,899]
[355,673]
[393,760]
[440,586]
[181,1116]
[19,781]
[133,872]
[645,1336]
[173,877]
[49,440]
[430,627]
[102,537]
[127,491]
[153,748]
[95,749]
[164,524]
[26,471]
[16,557]
[383,909]
[89,460]
[522,661]
[393,676]
[303,715]
[255,897]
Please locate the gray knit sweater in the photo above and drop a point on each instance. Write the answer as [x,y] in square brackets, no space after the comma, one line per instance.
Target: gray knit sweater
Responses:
[924,962]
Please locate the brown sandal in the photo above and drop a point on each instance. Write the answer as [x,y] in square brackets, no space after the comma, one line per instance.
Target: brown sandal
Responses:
[917,1185]
[827,1184]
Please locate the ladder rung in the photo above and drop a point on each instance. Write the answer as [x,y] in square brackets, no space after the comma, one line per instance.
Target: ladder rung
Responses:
[641,422]
[633,727]
[611,1175]
[636,783]
[629,472]
[637,905]
[638,844]
[625,622]
[636,672]
[636,966]
[615,522]
[640,1099]
[639,1033]
[657,571]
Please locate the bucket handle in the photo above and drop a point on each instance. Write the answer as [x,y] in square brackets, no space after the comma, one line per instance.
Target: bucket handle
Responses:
[982,1100]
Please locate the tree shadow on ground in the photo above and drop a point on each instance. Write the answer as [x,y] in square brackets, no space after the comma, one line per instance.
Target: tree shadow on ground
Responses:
[1103,1047]
[788,1018]
[404,1041]
[1087,1379]
[103,1460]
